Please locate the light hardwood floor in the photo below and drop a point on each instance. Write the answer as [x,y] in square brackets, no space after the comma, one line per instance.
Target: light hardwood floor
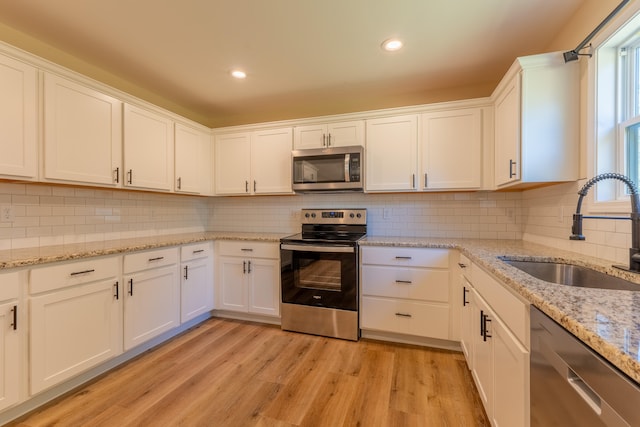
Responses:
[234,373]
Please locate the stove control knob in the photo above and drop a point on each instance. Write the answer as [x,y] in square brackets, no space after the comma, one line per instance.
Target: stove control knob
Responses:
[313,215]
[351,215]
[306,215]
[359,215]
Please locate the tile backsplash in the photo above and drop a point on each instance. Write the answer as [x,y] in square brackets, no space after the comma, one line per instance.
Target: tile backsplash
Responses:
[45,215]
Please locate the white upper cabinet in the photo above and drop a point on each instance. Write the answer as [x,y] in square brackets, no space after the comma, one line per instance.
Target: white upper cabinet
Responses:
[451,150]
[271,161]
[537,121]
[256,162]
[392,154]
[82,134]
[148,149]
[192,160]
[339,134]
[18,120]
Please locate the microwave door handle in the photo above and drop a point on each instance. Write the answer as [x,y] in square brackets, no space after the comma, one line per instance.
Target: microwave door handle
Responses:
[347,161]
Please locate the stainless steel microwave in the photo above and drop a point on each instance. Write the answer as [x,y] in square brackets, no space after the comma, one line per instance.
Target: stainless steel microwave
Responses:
[328,169]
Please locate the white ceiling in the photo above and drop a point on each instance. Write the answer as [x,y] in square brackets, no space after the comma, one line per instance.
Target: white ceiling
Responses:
[303,57]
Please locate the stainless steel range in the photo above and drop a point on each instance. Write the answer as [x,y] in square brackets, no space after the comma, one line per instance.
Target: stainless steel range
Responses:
[320,273]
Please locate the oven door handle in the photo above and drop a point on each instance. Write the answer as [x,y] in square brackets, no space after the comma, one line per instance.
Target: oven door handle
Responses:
[317,248]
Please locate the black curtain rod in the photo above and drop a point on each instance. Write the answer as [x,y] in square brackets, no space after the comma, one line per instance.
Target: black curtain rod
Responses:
[572,55]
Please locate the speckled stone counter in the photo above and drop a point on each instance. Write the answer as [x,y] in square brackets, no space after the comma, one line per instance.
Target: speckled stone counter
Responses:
[33,256]
[608,321]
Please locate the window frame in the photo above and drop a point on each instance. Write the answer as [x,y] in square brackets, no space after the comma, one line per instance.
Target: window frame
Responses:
[606,106]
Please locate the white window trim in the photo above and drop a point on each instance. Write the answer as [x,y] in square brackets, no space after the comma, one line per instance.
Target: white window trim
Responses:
[602,144]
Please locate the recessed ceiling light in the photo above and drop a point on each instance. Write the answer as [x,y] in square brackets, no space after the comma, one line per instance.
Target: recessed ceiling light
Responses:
[238,74]
[392,45]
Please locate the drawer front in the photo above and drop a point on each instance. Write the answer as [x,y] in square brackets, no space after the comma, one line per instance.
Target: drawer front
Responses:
[249,249]
[409,257]
[62,275]
[405,317]
[196,251]
[410,283]
[10,288]
[513,311]
[140,261]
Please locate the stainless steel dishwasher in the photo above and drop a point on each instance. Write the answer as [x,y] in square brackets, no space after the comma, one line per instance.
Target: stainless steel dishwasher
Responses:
[571,385]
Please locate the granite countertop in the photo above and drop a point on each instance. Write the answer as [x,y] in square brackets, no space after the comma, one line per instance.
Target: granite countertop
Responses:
[608,321]
[45,254]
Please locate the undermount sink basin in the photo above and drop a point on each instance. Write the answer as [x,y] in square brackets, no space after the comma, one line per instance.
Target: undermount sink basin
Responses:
[572,275]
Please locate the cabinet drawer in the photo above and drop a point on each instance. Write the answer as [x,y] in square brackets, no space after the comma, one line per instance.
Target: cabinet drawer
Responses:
[405,317]
[140,261]
[513,311]
[410,257]
[9,285]
[248,248]
[196,251]
[73,273]
[410,283]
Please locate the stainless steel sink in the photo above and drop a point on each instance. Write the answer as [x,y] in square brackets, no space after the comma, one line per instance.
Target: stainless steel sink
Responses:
[572,275]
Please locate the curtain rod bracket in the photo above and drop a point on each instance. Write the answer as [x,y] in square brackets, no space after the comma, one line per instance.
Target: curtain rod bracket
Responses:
[572,55]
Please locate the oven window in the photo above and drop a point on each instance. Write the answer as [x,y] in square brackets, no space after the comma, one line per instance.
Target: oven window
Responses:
[321,274]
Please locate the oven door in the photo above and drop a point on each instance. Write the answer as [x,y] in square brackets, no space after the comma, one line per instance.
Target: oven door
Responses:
[322,275]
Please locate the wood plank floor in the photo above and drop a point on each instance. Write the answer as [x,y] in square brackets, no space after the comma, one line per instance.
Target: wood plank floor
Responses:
[235,373]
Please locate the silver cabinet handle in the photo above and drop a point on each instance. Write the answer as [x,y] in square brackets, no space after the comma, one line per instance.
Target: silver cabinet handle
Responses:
[464,296]
[425,181]
[246,249]
[14,324]
[186,272]
[179,183]
[117,289]
[403,315]
[130,176]
[246,186]
[249,267]
[324,139]
[403,257]
[407,282]
[156,258]
[198,251]
[254,185]
[461,265]
[413,180]
[131,287]
[116,178]
[329,141]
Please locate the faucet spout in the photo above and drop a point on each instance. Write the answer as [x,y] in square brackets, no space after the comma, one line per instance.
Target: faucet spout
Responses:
[576,228]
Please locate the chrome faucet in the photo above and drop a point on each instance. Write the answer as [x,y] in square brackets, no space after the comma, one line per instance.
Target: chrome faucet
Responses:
[576,229]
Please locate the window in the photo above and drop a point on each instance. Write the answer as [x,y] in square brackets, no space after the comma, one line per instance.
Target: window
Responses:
[615,104]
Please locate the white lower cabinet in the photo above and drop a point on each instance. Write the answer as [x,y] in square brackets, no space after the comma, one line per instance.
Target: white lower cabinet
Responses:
[406,291]
[152,295]
[497,353]
[75,318]
[248,277]
[11,333]
[196,283]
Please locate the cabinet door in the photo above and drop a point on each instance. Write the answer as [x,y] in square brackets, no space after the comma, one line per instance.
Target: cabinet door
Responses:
[10,360]
[310,136]
[196,289]
[451,149]
[190,150]
[271,161]
[507,133]
[483,353]
[511,378]
[466,328]
[233,163]
[72,330]
[18,119]
[148,149]
[392,146]
[232,284]
[151,304]
[82,133]
[346,133]
[264,286]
